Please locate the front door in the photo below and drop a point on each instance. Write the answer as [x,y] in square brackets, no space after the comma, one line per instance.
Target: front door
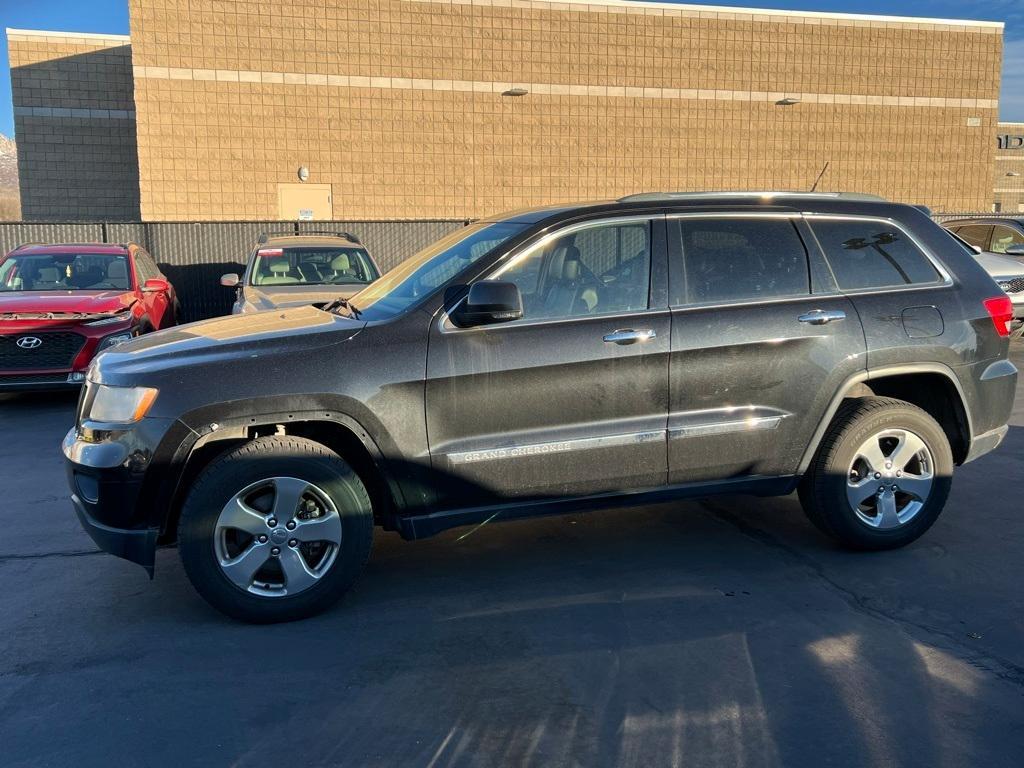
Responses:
[571,399]
[761,341]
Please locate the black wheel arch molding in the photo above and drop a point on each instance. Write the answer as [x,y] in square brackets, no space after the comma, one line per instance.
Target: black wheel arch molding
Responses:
[199,435]
[863,380]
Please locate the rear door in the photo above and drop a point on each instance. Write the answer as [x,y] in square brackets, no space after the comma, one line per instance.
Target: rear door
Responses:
[761,341]
[571,399]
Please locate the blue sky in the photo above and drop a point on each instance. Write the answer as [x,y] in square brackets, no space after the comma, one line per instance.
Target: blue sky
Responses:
[111,16]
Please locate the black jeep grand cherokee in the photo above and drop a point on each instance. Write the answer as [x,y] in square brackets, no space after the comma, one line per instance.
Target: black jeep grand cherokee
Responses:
[566,358]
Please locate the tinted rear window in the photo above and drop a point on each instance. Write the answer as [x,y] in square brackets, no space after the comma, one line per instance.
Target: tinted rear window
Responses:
[872,254]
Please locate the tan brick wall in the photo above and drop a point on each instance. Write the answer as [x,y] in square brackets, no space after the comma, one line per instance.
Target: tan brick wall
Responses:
[1009,190]
[397,104]
[74,121]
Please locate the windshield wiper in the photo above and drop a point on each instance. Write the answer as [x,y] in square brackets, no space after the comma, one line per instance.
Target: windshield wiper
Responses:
[338,303]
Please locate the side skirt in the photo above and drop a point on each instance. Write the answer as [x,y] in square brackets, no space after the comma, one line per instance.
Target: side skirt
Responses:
[425,525]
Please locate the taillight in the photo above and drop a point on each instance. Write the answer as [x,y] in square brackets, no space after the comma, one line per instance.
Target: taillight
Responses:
[1000,309]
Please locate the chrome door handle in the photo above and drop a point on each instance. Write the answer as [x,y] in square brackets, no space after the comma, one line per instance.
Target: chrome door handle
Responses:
[629,336]
[822,316]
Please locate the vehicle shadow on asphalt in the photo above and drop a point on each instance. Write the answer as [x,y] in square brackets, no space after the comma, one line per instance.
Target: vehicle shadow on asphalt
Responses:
[727,632]
[724,632]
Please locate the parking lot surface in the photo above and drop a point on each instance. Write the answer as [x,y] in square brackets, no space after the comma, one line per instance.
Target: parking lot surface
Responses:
[719,633]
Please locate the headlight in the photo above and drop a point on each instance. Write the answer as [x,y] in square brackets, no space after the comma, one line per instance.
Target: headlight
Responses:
[113,340]
[120,317]
[121,405]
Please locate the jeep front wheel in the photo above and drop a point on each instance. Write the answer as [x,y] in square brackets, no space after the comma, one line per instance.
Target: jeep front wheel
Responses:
[276,529]
[881,475]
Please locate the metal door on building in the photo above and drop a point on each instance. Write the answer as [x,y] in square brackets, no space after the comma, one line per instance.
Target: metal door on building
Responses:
[304,202]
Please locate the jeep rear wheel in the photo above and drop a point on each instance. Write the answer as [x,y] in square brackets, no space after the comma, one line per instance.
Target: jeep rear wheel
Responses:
[881,475]
[276,529]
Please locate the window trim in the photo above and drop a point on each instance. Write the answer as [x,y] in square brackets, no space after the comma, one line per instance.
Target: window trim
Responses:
[793,216]
[494,272]
[945,280]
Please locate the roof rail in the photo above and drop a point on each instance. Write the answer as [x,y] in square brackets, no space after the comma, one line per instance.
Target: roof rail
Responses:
[655,196]
[265,236]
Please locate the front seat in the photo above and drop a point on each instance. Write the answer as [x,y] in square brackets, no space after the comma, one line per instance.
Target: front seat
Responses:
[279,269]
[570,295]
[117,272]
[341,267]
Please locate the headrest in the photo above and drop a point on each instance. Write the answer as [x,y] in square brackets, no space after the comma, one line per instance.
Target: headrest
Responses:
[280,267]
[117,269]
[571,270]
[340,263]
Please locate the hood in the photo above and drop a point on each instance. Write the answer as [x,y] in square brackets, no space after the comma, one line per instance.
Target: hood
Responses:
[220,341]
[260,297]
[1000,266]
[38,304]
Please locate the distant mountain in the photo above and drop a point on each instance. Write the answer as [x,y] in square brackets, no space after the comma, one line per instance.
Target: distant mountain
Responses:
[9,205]
[8,165]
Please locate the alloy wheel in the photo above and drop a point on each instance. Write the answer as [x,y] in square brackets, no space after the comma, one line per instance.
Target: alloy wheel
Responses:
[277,537]
[890,479]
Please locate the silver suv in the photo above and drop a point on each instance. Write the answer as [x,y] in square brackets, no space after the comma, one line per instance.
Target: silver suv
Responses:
[295,270]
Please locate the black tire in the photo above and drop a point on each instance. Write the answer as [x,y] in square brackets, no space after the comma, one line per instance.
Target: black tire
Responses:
[236,469]
[823,491]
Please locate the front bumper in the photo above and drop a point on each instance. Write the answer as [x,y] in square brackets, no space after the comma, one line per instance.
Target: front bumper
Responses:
[22,382]
[114,491]
[138,546]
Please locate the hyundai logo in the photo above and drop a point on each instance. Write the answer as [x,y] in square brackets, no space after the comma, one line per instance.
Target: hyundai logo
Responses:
[29,342]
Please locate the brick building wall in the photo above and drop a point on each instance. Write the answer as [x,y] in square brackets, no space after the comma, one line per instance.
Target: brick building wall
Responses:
[1009,168]
[74,122]
[398,105]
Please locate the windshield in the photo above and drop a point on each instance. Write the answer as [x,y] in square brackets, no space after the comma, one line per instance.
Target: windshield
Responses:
[420,275]
[312,265]
[64,272]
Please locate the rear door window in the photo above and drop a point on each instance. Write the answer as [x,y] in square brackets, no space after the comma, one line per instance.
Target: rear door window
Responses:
[867,253]
[724,260]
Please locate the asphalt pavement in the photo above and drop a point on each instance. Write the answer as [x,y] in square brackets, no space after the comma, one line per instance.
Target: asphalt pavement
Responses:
[719,633]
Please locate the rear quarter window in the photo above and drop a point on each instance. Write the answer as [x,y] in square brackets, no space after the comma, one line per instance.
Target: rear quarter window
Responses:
[867,254]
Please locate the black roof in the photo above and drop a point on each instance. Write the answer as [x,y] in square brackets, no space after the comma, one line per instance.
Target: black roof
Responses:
[819,202]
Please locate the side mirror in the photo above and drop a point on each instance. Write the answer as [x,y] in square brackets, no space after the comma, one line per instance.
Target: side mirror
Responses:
[1017,249]
[977,249]
[156,285]
[490,302]
[230,280]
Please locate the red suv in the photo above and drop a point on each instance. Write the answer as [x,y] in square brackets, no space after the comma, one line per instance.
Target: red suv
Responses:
[60,305]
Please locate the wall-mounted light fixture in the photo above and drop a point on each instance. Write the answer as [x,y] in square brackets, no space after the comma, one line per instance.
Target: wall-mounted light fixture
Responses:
[1012,173]
[515,92]
[787,102]
[303,173]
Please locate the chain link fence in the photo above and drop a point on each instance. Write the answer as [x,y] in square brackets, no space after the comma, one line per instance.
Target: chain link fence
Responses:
[194,255]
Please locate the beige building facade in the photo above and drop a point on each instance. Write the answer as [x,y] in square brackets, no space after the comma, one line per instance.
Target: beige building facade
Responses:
[74,120]
[1009,168]
[463,108]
